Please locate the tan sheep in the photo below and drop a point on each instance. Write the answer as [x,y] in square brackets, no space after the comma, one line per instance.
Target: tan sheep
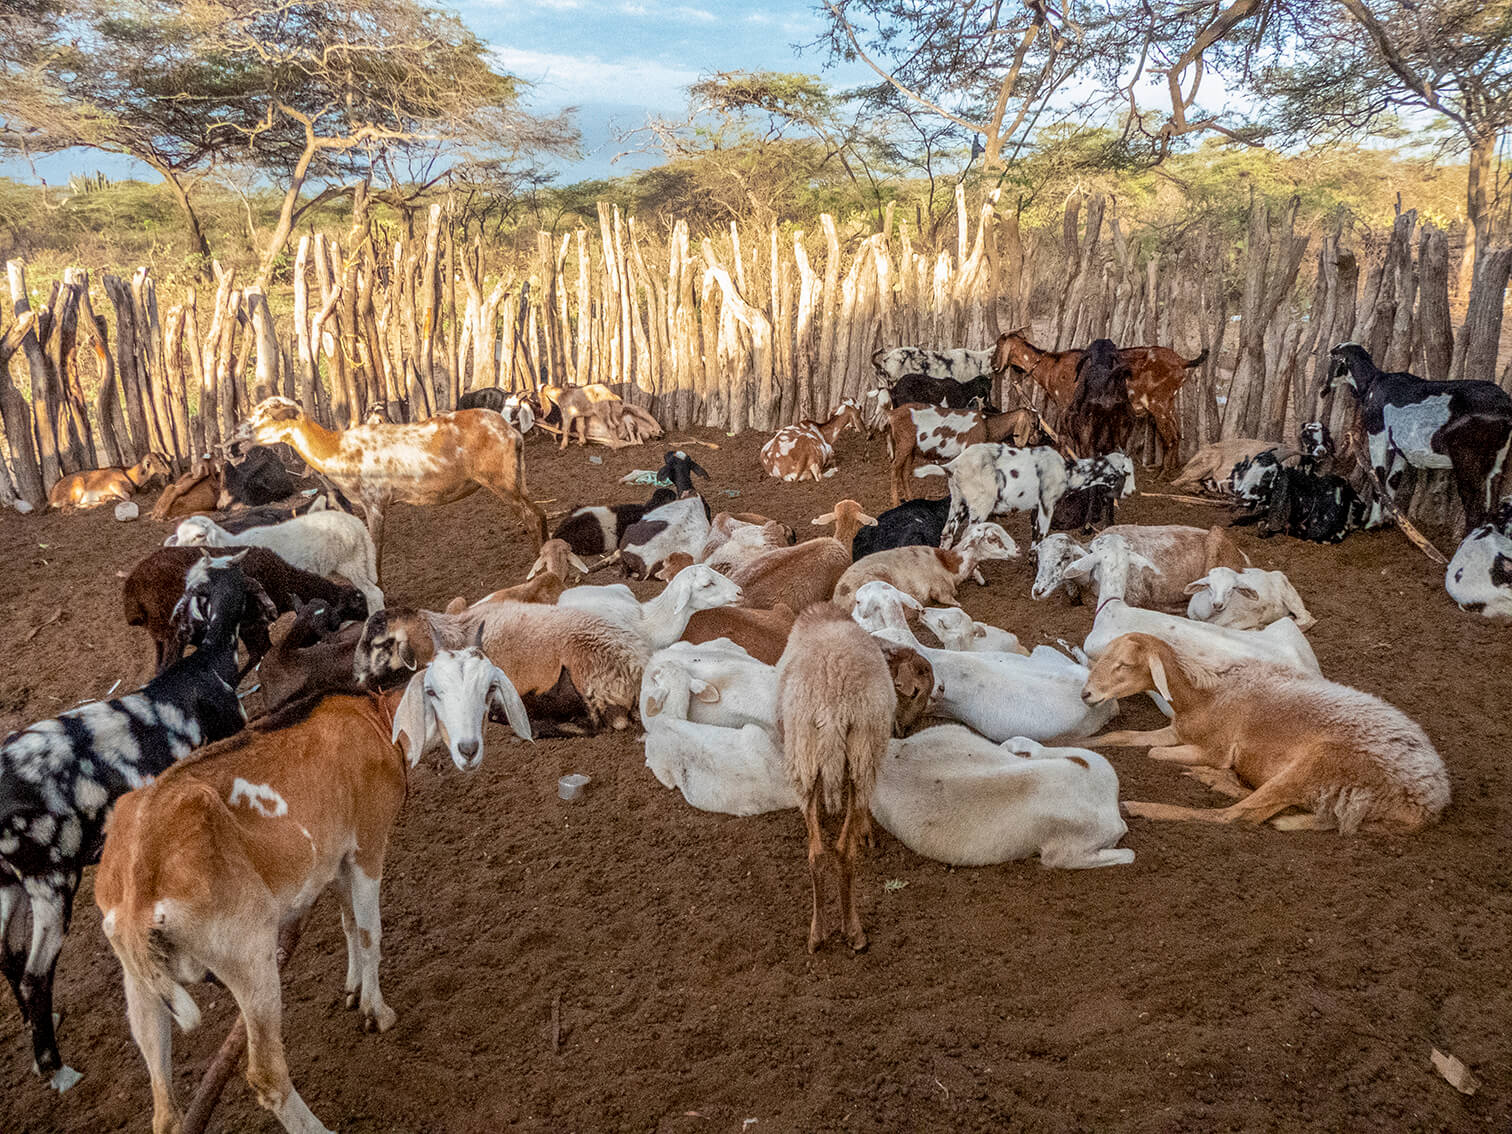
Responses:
[929,574]
[805,573]
[835,711]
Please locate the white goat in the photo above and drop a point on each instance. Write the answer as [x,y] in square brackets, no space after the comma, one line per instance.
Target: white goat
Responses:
[662,620]
[999,695]
[1214,647]
[1479,577]
[682,525]
[722,683]
[323,543]
[1246,600]
[992,477]
[956,630]
[950,795]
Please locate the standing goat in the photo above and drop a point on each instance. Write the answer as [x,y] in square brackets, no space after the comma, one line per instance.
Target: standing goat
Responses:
[437,461]
[1099,418]
[203,868]
[835,708]
[59,778]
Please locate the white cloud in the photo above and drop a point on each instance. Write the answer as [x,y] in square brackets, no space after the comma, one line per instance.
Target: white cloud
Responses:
[561,78]
[693,15]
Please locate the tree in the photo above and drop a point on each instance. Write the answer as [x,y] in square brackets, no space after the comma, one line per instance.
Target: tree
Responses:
[1367,61]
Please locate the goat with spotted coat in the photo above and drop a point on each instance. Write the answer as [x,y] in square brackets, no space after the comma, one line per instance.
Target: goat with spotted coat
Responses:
[59,779]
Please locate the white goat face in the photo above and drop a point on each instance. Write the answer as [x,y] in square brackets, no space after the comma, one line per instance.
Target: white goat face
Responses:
[1056,551]
[991,542]
[193,532]
[881,606]
[948,624]
[453,693]
[706,588]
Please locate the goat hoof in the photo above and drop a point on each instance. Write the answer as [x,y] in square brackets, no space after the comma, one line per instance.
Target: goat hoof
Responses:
[351,1000]
[859,943]
[382,1021]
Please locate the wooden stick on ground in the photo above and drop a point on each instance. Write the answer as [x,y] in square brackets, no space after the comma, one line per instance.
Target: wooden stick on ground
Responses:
[1416,537]
[556,1023]
[228,1058]
[1180,499]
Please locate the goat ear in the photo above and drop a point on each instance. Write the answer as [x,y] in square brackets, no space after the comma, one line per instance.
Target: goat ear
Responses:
[502,693]
[868,521]
[1138,560]
[535,569]
[697,468]
[653,705]
[978,631]
[1247,592]
[265,605]
[413,719]
[1193,587]
[407,655]
[1081,568]
[708,694]
[577,564]
[1158,676]
[827,518]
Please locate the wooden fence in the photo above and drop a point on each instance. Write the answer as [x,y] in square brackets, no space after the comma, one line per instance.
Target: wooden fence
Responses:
[744,331]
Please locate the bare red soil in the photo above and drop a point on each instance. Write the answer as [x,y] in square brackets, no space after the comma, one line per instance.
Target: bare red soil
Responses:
[1228,980]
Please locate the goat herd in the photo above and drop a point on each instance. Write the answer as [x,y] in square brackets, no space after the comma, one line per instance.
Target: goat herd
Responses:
[767,674]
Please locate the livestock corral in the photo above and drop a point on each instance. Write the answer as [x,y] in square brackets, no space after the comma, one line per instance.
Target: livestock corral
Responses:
[625,961]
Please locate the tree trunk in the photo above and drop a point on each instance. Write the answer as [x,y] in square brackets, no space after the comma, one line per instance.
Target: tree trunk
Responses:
[17,417]
[1476,346]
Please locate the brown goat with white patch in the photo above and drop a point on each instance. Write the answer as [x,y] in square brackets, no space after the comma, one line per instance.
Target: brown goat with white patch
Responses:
[808,448]
[761,633]
[807,572]
[835,711]
[1275,739]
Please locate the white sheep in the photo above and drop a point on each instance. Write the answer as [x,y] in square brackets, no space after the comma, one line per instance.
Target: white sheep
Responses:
[956,630]
[722,683]
[1000,695]
[323,543]
[948,794]
[1246,600]
[1214,647]
[736,771]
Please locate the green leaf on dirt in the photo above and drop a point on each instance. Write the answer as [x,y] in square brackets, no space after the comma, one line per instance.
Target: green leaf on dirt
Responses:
[895,884]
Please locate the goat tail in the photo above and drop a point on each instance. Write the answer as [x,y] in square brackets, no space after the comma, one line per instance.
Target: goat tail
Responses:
[140,946]
[929,470]
[1198,361]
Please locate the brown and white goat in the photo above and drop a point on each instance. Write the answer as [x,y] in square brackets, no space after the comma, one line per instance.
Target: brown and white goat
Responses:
[928,574]
[808,448]
[835,712]
[807,572]
[202,868]
[1275,739]
[94,487]
[761,633]
[437,461]
[937,434]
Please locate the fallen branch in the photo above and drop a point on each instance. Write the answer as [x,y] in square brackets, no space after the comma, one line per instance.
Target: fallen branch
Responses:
[1210,502]
[680,441]
[55,616]
[228,1058]
[1415,537]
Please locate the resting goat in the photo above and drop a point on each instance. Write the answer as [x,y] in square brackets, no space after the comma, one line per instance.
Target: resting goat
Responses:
[59,778]
[1246,600]
[928,574]
[1275,739]
[1479,577]
[202,869]
[106,486]
[808,448]
[1302,504]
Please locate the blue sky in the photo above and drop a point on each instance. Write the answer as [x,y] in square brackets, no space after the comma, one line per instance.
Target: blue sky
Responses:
[616,60]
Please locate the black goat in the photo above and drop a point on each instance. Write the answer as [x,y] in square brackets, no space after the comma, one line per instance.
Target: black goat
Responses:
[1099,417]
[914,523]
[677,469]
[919,390]
[257,478]
[596,529]
[1323,509]
[59,778]
[1466,426]
[487,397]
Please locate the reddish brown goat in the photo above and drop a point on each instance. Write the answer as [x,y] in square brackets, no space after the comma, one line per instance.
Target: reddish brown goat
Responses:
[1155,374]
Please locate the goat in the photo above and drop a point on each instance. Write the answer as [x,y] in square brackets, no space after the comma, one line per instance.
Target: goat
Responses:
[1466,426]
[918,389]
[1479,577]
[835,711]
[323,543]
[315,655]
[1276,739]
[1322,509]
[928,574]
[992,478]
[969,687]
[156,584]
[958,364]
[257,478]
[1213,464]
[1217,647]
[201,869]
[59,778]
[806,573]
[1180,555]
[678,469]
[927,431]
[948,794]
[732,542]
[1246,600]
[912,523]
[723,684]
[432,462]
[808,448]
[198,490]
[596,529]
[682,525]
[957,630]
[662,620]
[106,486]
[1094,485]
[512,407]
[1155,376]
[1099,419]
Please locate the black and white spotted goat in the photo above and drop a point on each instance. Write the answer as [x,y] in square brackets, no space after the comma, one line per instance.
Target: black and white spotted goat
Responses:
[60,777]
[959,364]
[1466,426]
[1479,577]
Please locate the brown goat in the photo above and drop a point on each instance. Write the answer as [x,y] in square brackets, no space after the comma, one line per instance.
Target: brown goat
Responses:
[197,491]
[106,486]
[761,633]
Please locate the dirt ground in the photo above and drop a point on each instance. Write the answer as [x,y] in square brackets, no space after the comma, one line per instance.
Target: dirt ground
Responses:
[1227,980]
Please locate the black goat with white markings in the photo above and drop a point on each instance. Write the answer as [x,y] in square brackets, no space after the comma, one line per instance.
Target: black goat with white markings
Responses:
[60,777]
[678,469]
[923,390]
[1094,485]
[596,529]
[1466,426]
[1099,418]
[1323,509]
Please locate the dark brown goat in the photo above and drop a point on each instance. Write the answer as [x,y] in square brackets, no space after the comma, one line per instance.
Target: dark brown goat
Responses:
[1099,418]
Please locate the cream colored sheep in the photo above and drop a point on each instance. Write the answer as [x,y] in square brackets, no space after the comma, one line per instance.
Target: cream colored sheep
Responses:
[835,709]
